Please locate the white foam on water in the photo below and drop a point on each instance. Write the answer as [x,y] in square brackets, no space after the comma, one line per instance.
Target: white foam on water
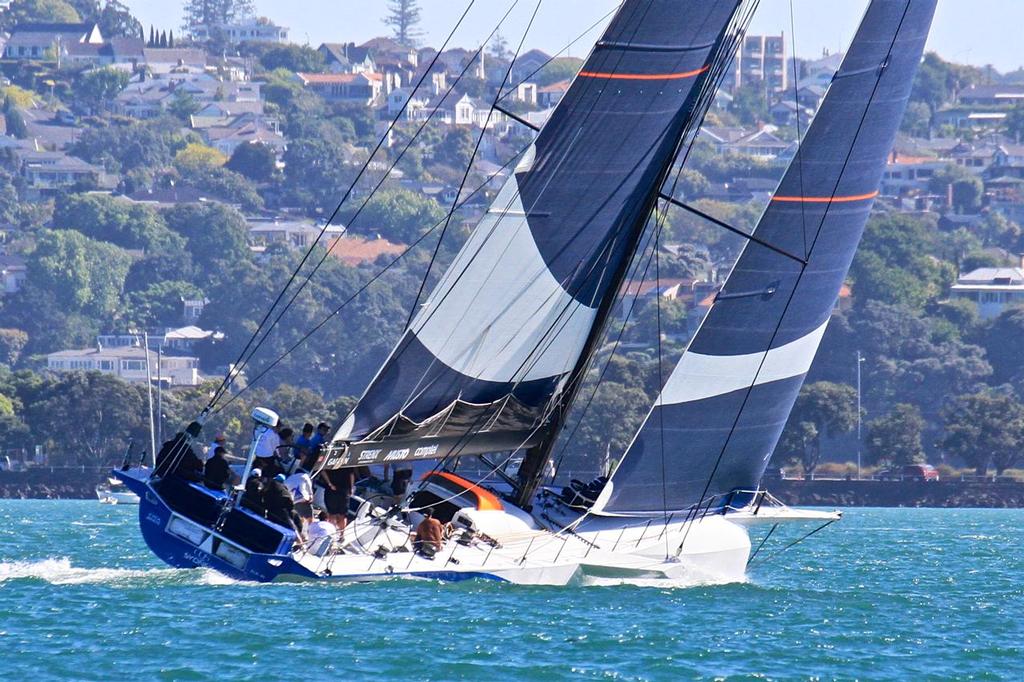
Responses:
[61,572]
[660,583]
[208,576]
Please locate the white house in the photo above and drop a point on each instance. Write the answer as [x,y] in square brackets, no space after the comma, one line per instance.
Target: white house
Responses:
[251,30]
[48,40]
[992,289]
[128,363]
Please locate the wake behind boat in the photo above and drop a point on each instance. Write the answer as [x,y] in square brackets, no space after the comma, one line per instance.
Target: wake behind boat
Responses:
[489,366]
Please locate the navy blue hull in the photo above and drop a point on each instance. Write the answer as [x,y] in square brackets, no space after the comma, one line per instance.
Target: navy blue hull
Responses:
[155,517]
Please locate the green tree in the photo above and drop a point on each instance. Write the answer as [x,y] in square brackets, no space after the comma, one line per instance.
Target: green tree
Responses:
[109,219]
[115,19]
[122,146]
[400,215]
[27,11]
[226,185]
[895,439]
[612,419]
[558,70]
[87,274]
[86,417]
[256,161]
[1014,123]
[158,305]
[895,265]
[456,149]
[985,429]
[183,105]
[314,173]
[822,409]
[12,342]
[214,13]
[1002,345]
[293,58]
[404,19]
[14,121]
[967,188]
[217,237]
[97,88]
[917,119]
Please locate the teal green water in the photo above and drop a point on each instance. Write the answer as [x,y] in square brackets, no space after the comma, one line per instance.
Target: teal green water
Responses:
[885,594]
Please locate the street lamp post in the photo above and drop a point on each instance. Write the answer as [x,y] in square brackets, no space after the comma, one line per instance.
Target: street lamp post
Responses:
[860,359]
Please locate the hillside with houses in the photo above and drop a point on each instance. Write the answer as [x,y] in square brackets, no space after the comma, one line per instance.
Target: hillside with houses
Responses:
[159,185]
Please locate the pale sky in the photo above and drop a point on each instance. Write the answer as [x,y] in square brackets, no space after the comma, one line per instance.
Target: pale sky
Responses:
[977,32]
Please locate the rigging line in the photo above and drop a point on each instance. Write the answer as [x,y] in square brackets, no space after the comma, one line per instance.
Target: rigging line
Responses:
[363,288]
[231,374]
[763,541]
[792,294]
[794,543]
[749,236]
[661,380]
[799,135]
[472,157]
[366,200]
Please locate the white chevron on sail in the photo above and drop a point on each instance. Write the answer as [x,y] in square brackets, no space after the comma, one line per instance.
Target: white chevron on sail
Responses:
[699,376]
[499,314]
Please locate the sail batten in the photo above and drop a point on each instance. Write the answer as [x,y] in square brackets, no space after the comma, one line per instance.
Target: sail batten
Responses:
[512,316]
[723,408]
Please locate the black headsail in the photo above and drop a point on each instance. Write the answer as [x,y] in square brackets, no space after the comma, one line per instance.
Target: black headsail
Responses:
[721,412]
[485,362]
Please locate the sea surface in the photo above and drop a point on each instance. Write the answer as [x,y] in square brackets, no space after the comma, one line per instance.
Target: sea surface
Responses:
[886,594]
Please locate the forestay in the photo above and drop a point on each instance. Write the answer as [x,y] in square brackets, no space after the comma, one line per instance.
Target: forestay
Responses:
[506,326]
[722,410]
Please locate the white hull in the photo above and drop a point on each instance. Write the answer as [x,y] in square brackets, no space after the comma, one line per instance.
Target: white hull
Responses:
[715,552]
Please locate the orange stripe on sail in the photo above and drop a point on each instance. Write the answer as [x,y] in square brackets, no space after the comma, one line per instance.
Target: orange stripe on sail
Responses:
[644,76]
[828,200]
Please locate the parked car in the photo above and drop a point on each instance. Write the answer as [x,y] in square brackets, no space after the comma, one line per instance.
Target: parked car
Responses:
[909,472]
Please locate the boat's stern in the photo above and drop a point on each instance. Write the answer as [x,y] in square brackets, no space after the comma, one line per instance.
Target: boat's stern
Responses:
[188,526]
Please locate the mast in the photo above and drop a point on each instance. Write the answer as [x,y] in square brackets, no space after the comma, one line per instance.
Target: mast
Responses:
[149,397]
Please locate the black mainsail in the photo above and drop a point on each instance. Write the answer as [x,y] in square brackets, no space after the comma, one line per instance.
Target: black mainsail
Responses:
[487,361]
[722,410]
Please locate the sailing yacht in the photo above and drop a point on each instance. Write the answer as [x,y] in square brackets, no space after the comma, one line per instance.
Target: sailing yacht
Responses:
[492,362]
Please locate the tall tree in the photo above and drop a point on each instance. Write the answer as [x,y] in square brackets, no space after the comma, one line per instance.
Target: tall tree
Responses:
[24,11]
[404,18]
[985,429]
[115,19]
[213,13]
[821,409]
[896,438]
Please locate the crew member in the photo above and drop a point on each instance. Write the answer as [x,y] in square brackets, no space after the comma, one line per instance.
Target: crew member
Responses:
[217,473]
[429,536]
